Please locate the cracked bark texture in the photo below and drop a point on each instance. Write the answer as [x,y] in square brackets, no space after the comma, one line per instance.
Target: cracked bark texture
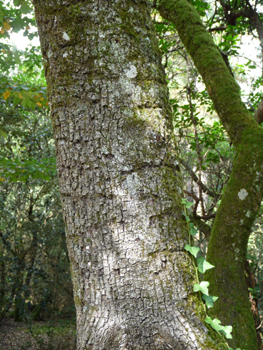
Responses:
[120,189]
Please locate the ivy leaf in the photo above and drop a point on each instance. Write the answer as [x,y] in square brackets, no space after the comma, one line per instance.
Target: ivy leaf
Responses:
[203,265]
[226,330]
[193,230]
[187,204]
[215,323]
[209,300]
[191,249]
[187,219]
[202,287]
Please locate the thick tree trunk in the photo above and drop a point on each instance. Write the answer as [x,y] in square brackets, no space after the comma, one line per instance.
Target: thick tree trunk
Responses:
[243,193]
[119,184]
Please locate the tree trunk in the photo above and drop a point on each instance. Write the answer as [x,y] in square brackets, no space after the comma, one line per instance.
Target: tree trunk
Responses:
[117,167]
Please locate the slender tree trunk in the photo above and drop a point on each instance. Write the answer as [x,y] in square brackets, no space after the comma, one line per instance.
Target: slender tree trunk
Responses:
[243,193]
[119,183]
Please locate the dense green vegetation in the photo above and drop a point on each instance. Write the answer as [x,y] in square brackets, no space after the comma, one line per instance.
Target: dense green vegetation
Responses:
[34,274]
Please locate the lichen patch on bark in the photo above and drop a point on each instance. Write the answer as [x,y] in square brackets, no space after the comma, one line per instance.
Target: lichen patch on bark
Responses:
[242,194]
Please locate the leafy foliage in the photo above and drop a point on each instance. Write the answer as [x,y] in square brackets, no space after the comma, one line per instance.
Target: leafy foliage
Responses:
[34,265]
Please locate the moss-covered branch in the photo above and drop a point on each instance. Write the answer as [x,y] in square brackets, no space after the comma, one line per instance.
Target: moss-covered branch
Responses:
[221,86]
[243,193]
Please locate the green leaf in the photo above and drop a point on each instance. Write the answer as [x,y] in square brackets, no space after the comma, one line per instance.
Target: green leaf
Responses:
[209,300]
[215,323]
[187,204]
[187,219]
[3,134]
[202,287]
[17,57]
[203,265]
[193,230]
[17,24]
[226,330]
[191,249]
[25,8]
[16,101]
[17,2]
[25,102]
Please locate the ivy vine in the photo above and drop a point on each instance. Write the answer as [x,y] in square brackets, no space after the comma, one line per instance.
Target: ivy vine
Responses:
[201,265]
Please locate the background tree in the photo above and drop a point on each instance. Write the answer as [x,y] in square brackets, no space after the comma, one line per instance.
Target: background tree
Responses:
[34,261]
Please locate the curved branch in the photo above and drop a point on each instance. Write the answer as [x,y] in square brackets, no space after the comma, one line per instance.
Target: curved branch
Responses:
[195,178]
[221,85]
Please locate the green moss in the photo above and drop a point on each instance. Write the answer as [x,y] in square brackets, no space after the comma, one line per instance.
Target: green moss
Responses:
[228,243]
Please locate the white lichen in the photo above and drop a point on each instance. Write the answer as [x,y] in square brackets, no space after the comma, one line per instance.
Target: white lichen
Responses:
[248,214]
[65,54]
[242,194]
[131,72]
[65,36]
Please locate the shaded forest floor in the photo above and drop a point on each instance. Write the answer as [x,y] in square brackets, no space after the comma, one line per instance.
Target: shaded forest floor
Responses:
[50,335]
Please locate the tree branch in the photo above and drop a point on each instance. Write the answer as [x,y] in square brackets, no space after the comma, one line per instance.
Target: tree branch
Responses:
[221,85]
[217,29]
[202,226]
[196,179]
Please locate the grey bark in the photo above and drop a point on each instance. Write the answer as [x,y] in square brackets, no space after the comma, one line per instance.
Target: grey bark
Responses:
[120,189]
